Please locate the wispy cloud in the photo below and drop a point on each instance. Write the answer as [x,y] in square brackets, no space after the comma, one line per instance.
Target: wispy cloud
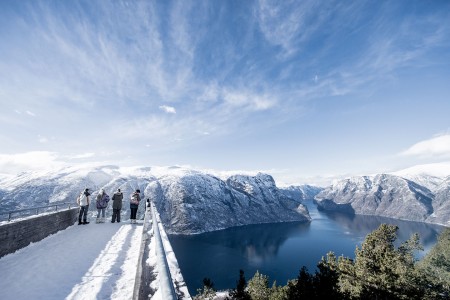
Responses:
[247,100]
[175,74]
[287,25]
[438,146]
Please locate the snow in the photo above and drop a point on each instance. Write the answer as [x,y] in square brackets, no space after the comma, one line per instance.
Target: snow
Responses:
[172,262]
[441,169]
[95,261]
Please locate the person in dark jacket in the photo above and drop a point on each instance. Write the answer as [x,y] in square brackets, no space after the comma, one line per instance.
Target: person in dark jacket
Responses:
[117,206]
[134,205]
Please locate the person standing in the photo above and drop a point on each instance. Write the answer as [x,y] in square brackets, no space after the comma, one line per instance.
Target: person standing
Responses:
[102,203]
[117,206]
[134,205]
[83,203]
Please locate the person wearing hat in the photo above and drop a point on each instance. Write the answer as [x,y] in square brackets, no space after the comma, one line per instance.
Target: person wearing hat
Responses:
[134,205]
[117,206]
[83,203]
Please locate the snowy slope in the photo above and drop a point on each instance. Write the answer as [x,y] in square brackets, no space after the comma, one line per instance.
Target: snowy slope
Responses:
[198,202]
[189,201]
[81,262]
[388,196]
[301,192]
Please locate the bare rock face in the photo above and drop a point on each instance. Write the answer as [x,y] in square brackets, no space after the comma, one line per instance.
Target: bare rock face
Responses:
[383,195]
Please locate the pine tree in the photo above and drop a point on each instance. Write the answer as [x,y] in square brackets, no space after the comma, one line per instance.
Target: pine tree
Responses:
[258,287]
[278,292]
[240,293]
[302,288]
[208,292]
[380,271]
[325,281]
[435,267]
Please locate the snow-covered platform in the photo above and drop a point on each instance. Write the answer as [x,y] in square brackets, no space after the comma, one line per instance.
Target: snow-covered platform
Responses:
[94,261]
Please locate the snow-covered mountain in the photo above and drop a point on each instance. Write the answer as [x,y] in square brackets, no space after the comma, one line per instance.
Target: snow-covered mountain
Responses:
[188,201]
[301,192]
[389,196]
[199,202]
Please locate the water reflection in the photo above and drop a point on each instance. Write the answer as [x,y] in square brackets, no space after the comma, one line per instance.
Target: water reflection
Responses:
[256,242]
[280,250]
[366,224]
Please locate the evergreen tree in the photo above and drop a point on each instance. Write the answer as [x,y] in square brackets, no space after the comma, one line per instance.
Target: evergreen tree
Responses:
[240,293]
[380,271]
[278,292]
[435,267]
[325,281]
[258,287]
[302,288]
[208,292]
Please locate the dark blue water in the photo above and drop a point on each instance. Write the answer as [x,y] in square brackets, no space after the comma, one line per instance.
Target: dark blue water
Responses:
[280,250]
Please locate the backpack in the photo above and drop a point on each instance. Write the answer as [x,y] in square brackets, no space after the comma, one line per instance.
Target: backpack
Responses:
[105,200]
[134,199]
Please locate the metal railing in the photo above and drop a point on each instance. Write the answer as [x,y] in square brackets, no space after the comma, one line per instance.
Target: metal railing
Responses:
[165,279]
[35,210]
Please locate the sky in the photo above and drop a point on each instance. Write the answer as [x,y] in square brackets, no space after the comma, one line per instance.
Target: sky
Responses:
[303,90]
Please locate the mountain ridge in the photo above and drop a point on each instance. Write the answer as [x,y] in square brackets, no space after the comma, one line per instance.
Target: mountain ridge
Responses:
[391,196]
[188,201]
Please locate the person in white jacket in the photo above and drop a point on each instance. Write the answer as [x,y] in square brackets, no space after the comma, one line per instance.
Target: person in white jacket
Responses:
[83,203]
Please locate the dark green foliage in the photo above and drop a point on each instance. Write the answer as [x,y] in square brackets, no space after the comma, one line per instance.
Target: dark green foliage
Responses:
[325,281]
[436,267]
[322,285]
[208,291]
[239,293]
[379,271]
[302,288]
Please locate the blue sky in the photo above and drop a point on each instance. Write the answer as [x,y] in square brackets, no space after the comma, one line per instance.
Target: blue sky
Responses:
[304,90]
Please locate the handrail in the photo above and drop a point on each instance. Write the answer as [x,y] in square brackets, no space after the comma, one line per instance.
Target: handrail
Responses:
[10,213]
[165,279]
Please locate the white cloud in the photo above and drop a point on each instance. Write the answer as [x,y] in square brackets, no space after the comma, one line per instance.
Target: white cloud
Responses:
[42,139]
[168,109]
[83,155]
[248,100]
[28,161]
[437,146]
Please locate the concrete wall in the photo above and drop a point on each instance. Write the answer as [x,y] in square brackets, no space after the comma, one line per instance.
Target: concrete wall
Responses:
[19,234]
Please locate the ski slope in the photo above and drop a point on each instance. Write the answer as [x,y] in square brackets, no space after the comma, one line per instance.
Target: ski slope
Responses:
[94,261]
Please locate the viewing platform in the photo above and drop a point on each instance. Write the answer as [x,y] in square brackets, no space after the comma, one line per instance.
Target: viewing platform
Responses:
[93,261]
